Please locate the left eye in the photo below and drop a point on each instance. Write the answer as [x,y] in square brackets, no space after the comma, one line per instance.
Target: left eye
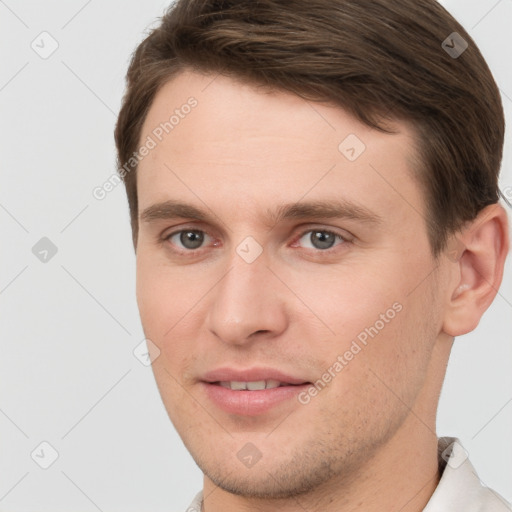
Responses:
[188,238]
[321,239]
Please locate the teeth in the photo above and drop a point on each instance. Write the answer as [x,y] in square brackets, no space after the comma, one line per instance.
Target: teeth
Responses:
[256,386]
[250,386]
[238,386]
[272,384]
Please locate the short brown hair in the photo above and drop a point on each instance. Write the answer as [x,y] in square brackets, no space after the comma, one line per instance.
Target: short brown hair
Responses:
[377,59]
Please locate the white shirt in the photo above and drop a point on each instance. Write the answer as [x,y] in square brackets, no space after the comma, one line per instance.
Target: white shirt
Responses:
[459,489]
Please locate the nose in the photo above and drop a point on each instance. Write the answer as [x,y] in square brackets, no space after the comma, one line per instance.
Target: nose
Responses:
[247,304]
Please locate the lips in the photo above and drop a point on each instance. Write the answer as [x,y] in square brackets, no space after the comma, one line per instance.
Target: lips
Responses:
[251,392]
[251,375]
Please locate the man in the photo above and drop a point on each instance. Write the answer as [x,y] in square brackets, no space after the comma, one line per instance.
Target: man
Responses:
[314,203]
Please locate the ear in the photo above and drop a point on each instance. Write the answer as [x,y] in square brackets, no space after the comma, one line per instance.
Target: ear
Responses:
[478,254]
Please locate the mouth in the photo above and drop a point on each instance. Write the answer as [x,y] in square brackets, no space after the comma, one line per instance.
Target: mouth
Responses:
[252,392]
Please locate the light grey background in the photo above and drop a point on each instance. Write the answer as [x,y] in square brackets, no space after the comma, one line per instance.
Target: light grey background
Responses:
[68,375]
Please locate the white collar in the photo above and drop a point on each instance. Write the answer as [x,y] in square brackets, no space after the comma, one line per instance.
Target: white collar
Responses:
[459,487]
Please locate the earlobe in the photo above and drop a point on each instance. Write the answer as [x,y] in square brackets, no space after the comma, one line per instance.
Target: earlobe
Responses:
[477,274]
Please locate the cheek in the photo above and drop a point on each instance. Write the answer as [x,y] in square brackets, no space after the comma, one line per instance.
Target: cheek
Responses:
[392,365]
[349,301]
[376,336]
[165,303]
[380,379]
[149,297]
[165,296]
[169,300]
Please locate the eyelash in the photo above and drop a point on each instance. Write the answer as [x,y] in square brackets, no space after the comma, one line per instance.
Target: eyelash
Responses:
[195,252]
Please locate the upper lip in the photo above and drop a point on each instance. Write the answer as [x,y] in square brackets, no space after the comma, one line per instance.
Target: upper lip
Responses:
[250,375]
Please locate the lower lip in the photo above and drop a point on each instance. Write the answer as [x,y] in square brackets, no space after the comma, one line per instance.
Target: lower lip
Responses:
[250,403]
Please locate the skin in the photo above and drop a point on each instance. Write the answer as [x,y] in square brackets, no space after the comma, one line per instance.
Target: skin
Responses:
[368,440]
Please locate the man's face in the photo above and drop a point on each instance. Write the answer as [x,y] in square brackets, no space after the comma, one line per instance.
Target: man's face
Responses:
[347,302]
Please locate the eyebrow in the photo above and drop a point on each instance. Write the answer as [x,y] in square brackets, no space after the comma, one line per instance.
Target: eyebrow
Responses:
[324,209]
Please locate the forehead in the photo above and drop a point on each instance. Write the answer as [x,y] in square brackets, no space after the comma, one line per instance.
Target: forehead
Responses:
[245,141]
